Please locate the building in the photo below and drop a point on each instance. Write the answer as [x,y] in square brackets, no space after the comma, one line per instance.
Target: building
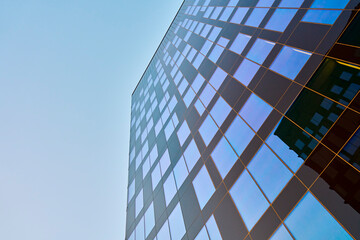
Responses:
[245,124]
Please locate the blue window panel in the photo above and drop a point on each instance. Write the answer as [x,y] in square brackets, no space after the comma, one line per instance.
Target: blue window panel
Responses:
[216,53]
[202,235]
[208,12]
[289,62]
[180,172]
[260,50]
[164,233]
[239,15]
[280,19]
[208,130]
[255,111]
[204,187]
[218,78]
[155,176]
[291,4]
[198,60]
[191,155]
[336,4]
[256,17]
[321,16]
[199,107]
[206,30]
[140,231]
[207,95]
[183,132]
[213,229]
[139,203]
[265,3]
[206,47]
[183,86]
[310,220]
[189,97]
[269,172]
[169,129]
[249,200]
[197,83]
[233,2]
[240,43]
[176,223]
[214,33]
[246,71]
[216,13]
[223,42]
[239,135]
[149,220]
[282,234]
[164,162]
[226,14]
[169,188]
[224,157]
[220,111]
[284,152]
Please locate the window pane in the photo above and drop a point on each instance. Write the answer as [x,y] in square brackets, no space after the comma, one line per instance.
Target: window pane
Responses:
[224,157]
[256,17]
[215,53]
[164,233]
[292,3]
[191,155]
[255,111]
[226,14]
[265,3]
[329,4]
[189,96]
[164,162]
[180,172]
[220,111]
[321,16]
[260,50]
[169,189]
[282,234]
[183,132]
[199,107]
[310,220]
[139,203]
[239,15]
[280,19]
[197,83]
[289,62]
[246,71]
[218,78]
[249,200]
[202,235]
[213,229]
[207,94]
[155,176]
[269,172]
[176,222]
[240,43]
[239,135]
[208,130]
[204,187]
[149,219]
[140,230]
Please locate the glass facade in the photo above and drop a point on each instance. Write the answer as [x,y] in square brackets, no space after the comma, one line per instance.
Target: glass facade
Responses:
[245,124]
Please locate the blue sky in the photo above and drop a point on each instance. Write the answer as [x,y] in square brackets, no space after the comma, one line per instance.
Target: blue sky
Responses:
[67,71]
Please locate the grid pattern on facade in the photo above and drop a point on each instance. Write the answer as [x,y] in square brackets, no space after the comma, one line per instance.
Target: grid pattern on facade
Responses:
[245,125]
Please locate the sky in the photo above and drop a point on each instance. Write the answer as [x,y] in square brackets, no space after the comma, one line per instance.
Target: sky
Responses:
[67,72]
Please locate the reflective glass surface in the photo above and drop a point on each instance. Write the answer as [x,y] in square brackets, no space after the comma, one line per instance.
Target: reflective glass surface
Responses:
[169,188]
[246,71]
[220,111]
[260,50]
[213,229]
[256,17]
[208,130]
[321,16]
[240,43]
[239,15]
[281,233]
[204,188]
[183,132]
[280,19]
[180,172]
[191,154]
[176,223]
[149,219]
[217,78]
[224,157]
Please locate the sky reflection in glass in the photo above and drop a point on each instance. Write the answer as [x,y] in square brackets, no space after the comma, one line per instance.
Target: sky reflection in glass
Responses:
[176,223]
[321,16]
[220,111]
[249,200]
[239,15]
[191,155]
[213,229]
[217,78]
[240,43]
[224,157]
[204,188]
[208,130]
[183,132]
[169,189]
[260,50]
[282,234]
[256,17]
[246,71]
[180,172]
[280,19]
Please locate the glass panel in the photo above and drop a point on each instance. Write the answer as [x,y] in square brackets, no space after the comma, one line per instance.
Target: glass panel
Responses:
[265,3]
[183,132]
[249,200]
[351,150]
[204,187]
[169,189]
[191,155]
[224,157]
[189,97]
[269,172]
[216,13]
[139,203]
[321,16]
[198,60]
[140,230]
[255,111]
[183,86]
[153,155]
[176,222]
[155,176]
[240,43]
[213,229]
[197,83]
[131,190]
[226,14]
[214,33]
[164,233]
[289,62]
[199,107]
[280,19]
[256,17]
[330,4]
[291,4]
[149,220]
[180,172]
[164,162]
[202,235]
[246,71]
[146,167]
[239,15]
[310,220]
[169,129]
[220,111]
[207,94]
[208,130]
[260,50]
[281,234]
[239,135]
[215,53]
[217,78]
